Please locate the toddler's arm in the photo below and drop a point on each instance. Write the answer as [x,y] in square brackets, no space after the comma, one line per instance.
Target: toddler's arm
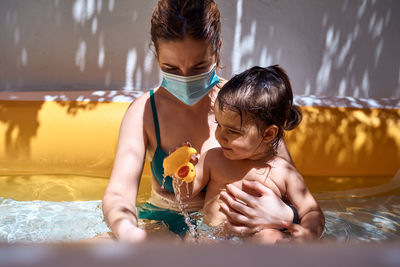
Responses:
[312,220]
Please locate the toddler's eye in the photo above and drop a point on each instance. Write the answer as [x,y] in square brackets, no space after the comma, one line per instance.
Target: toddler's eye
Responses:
[233,132]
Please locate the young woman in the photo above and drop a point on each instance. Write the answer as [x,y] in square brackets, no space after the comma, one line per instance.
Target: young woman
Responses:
[186,38]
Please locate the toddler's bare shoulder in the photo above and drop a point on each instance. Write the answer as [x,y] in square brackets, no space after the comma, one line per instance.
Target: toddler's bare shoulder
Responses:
[214,156]
[285,169]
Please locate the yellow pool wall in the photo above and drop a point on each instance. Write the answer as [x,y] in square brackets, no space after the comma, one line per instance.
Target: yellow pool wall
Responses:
[80,138]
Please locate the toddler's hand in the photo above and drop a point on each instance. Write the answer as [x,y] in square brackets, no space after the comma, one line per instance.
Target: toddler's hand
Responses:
[298,232]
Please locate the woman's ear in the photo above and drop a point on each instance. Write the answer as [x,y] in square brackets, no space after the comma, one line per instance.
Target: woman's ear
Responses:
[270,133]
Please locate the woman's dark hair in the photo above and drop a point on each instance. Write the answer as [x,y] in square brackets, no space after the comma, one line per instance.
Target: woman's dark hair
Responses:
[178,19]
[266,95]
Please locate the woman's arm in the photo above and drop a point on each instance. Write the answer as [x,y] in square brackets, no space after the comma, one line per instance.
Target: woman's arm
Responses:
[119,202]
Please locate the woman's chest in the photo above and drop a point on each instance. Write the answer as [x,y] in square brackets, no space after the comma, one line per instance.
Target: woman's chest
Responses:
[179,126]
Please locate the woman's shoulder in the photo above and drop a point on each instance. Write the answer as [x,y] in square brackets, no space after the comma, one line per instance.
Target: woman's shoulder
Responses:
[139,107]
[142,107]
[140,100]
[143,101]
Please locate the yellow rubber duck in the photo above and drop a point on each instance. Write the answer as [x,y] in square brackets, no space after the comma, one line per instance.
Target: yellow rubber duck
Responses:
[178,164]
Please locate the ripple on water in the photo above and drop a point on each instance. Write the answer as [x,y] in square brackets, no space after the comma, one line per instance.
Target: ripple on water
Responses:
[347,221]
[362,220]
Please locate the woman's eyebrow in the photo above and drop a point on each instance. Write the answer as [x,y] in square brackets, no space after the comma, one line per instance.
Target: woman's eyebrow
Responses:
[195,65]
[168,65]
[201,63]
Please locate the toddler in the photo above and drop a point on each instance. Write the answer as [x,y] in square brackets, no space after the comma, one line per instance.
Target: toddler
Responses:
[252,111]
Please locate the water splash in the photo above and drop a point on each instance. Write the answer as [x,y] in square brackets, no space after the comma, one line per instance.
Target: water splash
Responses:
[177,183]
[163,182]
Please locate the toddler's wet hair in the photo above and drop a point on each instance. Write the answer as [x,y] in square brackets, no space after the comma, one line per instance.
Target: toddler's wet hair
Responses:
[265,94]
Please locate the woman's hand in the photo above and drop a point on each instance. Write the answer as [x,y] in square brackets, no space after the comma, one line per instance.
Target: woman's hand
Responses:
[254,208]
[299,233]
[128,232]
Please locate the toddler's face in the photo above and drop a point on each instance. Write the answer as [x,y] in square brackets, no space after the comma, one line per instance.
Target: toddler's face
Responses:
[237,141]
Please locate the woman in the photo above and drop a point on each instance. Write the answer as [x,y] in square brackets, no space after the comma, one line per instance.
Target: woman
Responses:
[186,38]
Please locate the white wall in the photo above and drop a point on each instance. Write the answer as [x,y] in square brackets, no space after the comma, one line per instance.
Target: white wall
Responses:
[332,48]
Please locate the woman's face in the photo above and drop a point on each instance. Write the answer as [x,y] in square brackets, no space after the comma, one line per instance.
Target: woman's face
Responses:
[185,57]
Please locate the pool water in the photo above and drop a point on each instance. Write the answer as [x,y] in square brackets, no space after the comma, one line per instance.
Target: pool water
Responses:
[352,220]
[367,214]
[46,221]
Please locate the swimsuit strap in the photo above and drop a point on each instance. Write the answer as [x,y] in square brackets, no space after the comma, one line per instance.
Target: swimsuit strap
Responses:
[155,117]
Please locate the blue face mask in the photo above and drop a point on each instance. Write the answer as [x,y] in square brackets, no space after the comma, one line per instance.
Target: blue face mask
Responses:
[190,89]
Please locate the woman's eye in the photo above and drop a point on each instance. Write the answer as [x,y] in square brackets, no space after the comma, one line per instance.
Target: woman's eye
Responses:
[171,69]
[233,132]
[199,70]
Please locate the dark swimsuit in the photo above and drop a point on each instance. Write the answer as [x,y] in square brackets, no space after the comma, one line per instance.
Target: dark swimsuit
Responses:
[157,162]
[174,220]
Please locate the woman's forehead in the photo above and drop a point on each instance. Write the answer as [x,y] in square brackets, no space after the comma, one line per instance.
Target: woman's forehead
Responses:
[184,52]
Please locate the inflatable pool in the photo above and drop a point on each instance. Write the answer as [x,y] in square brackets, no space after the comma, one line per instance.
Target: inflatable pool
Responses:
[57,151]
